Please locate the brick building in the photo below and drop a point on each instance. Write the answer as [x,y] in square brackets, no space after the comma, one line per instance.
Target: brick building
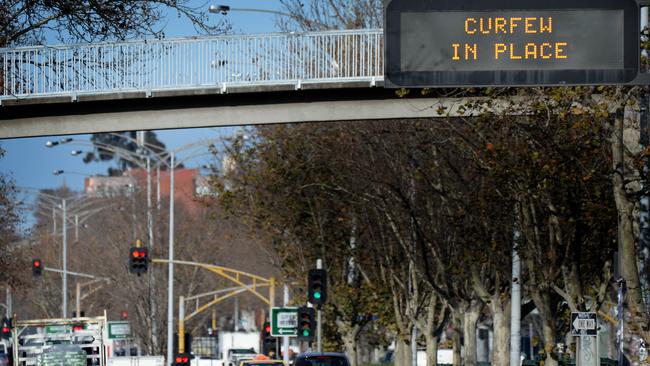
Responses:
[189,185]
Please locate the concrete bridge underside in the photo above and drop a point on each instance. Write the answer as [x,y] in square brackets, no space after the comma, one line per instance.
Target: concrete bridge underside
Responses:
[208,107]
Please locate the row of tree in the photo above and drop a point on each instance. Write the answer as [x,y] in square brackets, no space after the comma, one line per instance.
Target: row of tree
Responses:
[417,220]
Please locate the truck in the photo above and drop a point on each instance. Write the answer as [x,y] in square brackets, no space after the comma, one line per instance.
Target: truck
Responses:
[236,346]
[75,341]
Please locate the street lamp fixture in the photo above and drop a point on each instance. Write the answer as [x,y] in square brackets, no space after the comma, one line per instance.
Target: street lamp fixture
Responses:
[223,9]
[76,152]
[58,172]
[60,142]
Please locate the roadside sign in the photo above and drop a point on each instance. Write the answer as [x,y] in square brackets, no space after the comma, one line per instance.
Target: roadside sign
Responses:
[511,43]
[119,330]
[584,324]
[284,321]
[56,329]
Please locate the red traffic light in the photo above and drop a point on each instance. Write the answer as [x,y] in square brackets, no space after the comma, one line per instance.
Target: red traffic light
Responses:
[77,328]
[139,253]
[6,329]
[268,328]
[138,260]
[182,359]
[37,267]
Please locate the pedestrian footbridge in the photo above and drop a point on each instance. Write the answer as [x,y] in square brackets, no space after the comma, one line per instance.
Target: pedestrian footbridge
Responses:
[196,82]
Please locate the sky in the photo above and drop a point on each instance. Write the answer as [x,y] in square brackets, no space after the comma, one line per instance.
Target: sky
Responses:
[30,163]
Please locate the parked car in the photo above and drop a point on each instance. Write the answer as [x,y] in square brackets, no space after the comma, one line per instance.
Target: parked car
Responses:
[321,359]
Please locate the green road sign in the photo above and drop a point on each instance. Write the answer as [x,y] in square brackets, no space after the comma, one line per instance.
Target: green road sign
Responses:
[56,329]
[119,330]
[284,322]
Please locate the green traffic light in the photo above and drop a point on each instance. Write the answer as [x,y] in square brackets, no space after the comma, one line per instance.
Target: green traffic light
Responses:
[305,333]
[316,295]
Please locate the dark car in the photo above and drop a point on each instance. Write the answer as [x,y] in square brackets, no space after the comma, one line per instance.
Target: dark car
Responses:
[321,359]
[4,359]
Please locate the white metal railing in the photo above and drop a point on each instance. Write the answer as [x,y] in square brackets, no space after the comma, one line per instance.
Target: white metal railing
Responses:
[197,62]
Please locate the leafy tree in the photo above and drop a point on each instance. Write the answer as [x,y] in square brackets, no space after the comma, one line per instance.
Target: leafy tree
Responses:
[10,221]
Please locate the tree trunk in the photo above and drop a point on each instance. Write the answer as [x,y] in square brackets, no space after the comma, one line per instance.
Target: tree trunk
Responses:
[542,301]
[548,330]
[350,337]
[455,337]
[501,340]
[470,318]
[626,236]
[350,344]
[402,351]
[432,350]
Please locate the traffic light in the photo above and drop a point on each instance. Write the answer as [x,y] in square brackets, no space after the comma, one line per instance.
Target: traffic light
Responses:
[138,260]
[306,324]
[5,332]
[269,342]
[317,285]
[182,359]
[37,267]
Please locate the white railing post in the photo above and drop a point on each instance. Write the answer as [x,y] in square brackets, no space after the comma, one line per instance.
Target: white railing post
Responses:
[147,66]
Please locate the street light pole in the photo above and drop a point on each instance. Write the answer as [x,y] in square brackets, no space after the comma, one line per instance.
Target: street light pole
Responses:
[53,218]
[152,292]
[65,260]
[170,290]
[76,227]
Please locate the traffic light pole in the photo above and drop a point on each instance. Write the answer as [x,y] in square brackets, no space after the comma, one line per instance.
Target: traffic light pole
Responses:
[80,297]
[319,327]
[95,279]
[9,302]
[285,339]
[181,324]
